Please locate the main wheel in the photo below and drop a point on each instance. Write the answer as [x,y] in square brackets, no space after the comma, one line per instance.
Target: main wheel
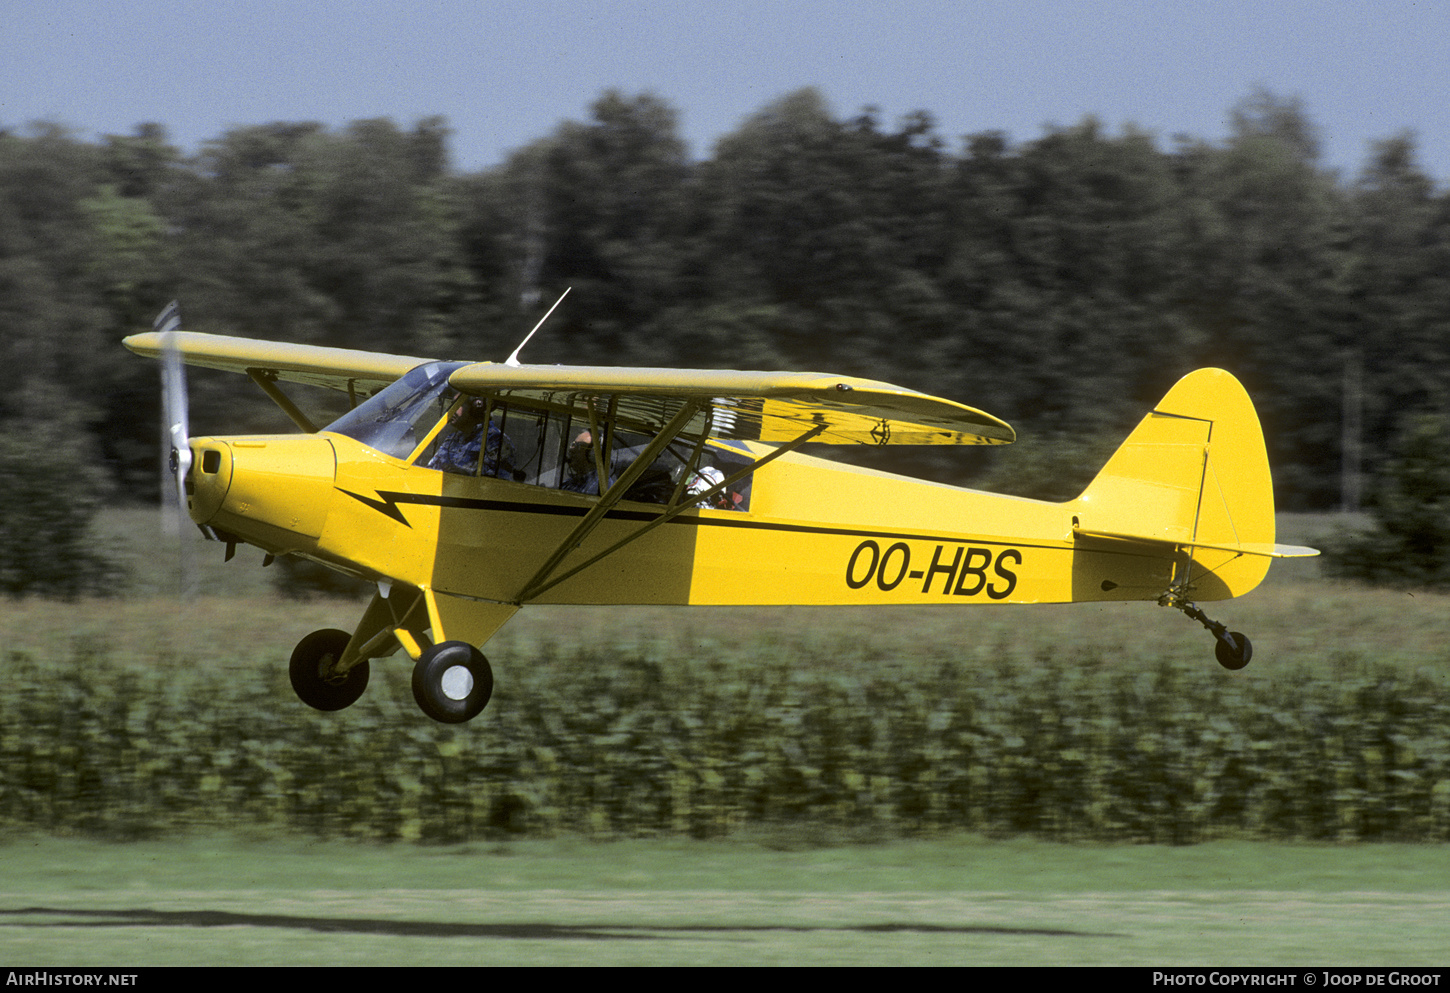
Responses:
[452,682]
[312,676]
[1234,656]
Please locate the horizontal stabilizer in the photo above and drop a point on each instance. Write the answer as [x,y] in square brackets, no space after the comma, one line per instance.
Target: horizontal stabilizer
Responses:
[1266,549]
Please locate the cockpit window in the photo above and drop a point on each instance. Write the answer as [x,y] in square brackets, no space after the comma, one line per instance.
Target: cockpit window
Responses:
[548,444]
[554,447]
[395,420]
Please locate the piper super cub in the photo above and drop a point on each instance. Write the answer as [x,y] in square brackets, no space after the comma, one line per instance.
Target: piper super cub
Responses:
[465,490]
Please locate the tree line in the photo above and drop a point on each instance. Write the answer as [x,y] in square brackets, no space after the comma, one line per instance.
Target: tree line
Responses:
[1062,282]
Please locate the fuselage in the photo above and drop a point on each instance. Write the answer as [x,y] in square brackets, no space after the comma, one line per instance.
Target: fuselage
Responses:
[511,500]
[816,532]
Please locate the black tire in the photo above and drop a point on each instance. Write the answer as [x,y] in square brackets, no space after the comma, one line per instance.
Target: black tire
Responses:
[1236,656]
[452,682]
[315,654]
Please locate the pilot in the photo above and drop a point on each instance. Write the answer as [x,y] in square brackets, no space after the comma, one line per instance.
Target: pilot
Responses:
[583,476]
[459,450]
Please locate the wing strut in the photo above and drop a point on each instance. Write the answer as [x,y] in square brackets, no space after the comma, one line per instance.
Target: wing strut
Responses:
[541,583]
[611,496]
[268,382]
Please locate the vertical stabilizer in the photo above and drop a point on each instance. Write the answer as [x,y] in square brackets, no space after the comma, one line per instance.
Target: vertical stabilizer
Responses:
[1194,473]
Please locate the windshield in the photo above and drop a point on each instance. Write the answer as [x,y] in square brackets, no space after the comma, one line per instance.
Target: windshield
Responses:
[395,420]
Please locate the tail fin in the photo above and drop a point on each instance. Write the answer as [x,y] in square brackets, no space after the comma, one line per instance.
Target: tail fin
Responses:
[1193,475]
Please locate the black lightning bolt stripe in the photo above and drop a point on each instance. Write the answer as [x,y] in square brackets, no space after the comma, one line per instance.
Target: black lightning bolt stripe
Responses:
[388,502]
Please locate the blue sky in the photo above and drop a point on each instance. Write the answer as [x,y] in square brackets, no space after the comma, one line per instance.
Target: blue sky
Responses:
[505,72]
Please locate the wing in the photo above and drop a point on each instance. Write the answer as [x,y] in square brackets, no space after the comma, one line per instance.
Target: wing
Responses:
[753,406]
[352,371]
[772,407]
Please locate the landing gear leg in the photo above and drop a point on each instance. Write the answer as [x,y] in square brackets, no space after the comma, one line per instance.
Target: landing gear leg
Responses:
[1232,649]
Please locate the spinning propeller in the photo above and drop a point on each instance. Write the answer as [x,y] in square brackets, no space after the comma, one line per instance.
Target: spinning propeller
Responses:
[175,442]
[173,399]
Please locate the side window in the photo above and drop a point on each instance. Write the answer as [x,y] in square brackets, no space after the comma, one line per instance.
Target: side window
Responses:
[505,441]
[717,464]
[471,442]
[661,480]
[550,448]
[534,437]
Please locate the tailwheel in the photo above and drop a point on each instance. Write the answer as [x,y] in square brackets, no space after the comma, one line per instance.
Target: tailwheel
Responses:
[452,682]
[314,675]
[1233,650]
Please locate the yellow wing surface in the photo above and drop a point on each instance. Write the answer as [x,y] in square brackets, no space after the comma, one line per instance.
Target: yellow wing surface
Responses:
[352,371]
[772,407]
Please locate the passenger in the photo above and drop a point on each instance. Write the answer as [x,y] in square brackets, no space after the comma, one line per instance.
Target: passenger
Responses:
[707,478]
[583,474]
[458,452]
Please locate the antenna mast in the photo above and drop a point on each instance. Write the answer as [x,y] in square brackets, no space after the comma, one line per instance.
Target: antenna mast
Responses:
[513,360]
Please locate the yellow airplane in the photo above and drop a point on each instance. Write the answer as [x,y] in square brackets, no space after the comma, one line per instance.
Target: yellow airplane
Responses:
[464,490]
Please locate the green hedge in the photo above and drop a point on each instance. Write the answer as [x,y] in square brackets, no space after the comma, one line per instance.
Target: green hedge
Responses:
[612,744]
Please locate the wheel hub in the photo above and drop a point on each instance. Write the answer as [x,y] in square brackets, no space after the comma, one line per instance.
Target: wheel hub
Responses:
[457,682]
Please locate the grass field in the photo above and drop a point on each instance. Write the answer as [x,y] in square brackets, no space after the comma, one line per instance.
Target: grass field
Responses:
[742,902]
[762,898]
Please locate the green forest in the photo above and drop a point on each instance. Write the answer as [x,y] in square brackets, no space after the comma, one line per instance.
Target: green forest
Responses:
[1062,282]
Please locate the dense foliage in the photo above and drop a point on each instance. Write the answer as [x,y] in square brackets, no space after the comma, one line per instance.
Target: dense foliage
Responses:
[1061,282]
[50,489]
[607,743]
[1409,544]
